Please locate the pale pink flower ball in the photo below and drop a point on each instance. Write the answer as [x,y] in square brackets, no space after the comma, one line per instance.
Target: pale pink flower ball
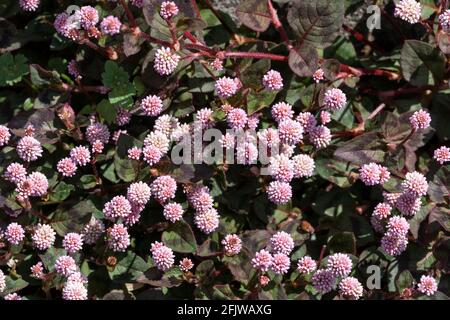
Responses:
[157,139]
[2,281]
[306,265]
[272,81]
[97,147]
[97,131]
[15,173]
[232,244]
[391,198]
[282,111]
[66,167]
[207,221]
[246,153]
[200,199]
[442,155]
[37,271]
[123,117]
[382,211]
[74,290]
[262,260]
[118,238]
[408,10]
[118,207]
[253,121]
[88,17]
[264,281]
[303,166]
[444,20]
[408,204]
[29,149]
[29,5]
[415,183]
[325,117]
[323,280]
[72,242]
[168,10]
[186,264]
[290,131]
[204,118]
[350,288]
[39,183]
[93,230]
[4,135]
[165,61]
[65,265]
[43,237]
[280,263]
[151,105]
[226,87]
[281,168]
[237,118]
[134,153]
[80,155]
[152,155]
[163,257]
[110,25]
[427,285]
[334,99]
[397,227]
[217,64]
[269,137]
[320,136]
[340,264]
[25,187]
[166,124]
[228,140]
[139,193]
[393,245]
[67,25]
[371,174]
[282,242]
[420,120]
[307,120]
[163,188]
[12,297]
[318,75]
[173,212]
[279,192]
[14,233]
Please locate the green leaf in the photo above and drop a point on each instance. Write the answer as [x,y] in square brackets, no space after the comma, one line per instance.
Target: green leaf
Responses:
[88,181]
[363,149]
[74,218]
[256,101]
[316,22]
[107,111]
[254,14]
[14,285]
[404,280]
[12,68]
[180,238]
[422,64]
[61,192]
[118,80]
[303,60]
[129,267]
[126,169]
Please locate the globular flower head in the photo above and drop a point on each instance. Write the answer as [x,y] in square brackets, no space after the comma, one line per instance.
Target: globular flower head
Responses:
[186,264]
[14,233]
[2,281]
[110,25]
[334,99]
[151,105]
[204,118]
[29,149]
[166,124]
[80,155]
[280,263]
[66,167]
[123,117]
[408,10]
[37,271]
[420,120]
[246,153]
[237,118]
[152,154]
[12,297]
[166,61]
[397,227]
[290,131]
[323,280]
[318,75]
[372,174]
[29,5]
[118,238]
[163,257]
[393,245]
[282,242]
[350,288]
[97,131]
[4,135]
[444,20]
[43,237]
[262,260]
[442,155]
[269,138]
[173,212]
[377,224]
[72,242]
[217,64]
[158,140]
[228,140]
[303,166]
[382,211]
[118,207]
[74,289]
[273,81]
[264,280]
[427,285]
[25,187]
[320,136]
[163,188]
[168,10]
[415,183]
[307,120]
[279,192]
[200,199]
[88,17]
[93,230]
[65,265]
[207,221]
[232,244]
[306,265]
[325,117]
[138,193]
[281,168]
[134,153]
[391,198]
[15,172]
[39,183]
[97,147]
[340,264]
[226,87]
[282,111]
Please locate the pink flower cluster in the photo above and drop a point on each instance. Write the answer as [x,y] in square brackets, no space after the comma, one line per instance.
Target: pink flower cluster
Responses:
[372,174]
[162,256]
[206,218]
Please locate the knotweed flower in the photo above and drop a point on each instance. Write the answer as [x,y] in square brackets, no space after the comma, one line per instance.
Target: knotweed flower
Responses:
[290,131]
[307,120]
[279,192]
[351,288]
[97,147]
[339,264]
[273,81]
[264,281]
[173,212]
[43,237]
[15,173]
[382,211]
[118,207]
[12,296]
[97,131]
[372,174]
[262,261]
[152,154]
[397,227]
[72,242]
[163,257]
[237,118]
[88,17]
[320,136]
[393,245]
[415,184]
[269,137]
[134,153]
[444,20]
[37,271]
[204,118]
[163,188]
[442,155]
[281,168]
[323,280]
[138,193]
[282,111]
[318,75]
[118,238]
[306,265]
[228,140]
[166,124]
[80,155]
[29,5]
[25,188]
[93,230]
[217,64]
[232,244]
[74,290]
[303,166]
[151,105]
[14,233]
[66,167]
[29,149]
[226,87]
[200,199]
[246,153]
[207,221]
[65,266]
[408,10]
[123,117]
[420,120]
[2,281]
[4,135]
[427,285]
[72,68]
[334,99]
[39,184]
[186,264]
[168,10]
[282,242]
[280,263]
[157,139]
[110,25]
[166,61]
[325,117]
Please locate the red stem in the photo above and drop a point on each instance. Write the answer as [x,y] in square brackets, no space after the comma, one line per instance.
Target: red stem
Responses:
[256,55]
[277,24]
[128,13]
